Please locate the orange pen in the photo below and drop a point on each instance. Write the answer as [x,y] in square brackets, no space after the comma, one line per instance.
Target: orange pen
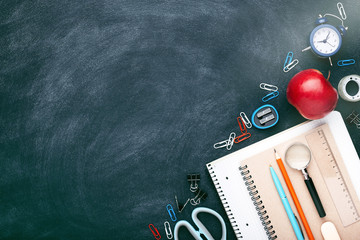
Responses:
[293,196]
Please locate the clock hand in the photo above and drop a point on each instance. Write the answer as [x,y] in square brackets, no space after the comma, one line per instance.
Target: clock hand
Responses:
[327,37]
[330,44]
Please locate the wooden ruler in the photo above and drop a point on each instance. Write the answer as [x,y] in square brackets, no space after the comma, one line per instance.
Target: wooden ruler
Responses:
[335,176]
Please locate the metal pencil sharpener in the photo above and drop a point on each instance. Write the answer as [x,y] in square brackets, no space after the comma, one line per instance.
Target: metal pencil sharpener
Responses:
[264,117]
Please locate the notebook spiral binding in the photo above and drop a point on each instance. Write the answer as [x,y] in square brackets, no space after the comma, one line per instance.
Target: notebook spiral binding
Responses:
[256,198]
[225,203]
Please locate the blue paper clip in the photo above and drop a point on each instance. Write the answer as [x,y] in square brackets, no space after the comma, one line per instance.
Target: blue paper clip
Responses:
[346,62]
[171,212]
[270,96]
[288,59]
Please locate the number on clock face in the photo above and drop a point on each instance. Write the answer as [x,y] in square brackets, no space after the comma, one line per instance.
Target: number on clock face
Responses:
[326,40]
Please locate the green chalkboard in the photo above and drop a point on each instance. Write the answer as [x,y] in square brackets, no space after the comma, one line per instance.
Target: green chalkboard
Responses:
[107,105]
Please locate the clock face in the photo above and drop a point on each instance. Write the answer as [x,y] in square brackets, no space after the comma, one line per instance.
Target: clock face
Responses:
[325,40]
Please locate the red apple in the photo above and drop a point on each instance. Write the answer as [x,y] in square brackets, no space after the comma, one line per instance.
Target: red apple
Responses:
[311,94]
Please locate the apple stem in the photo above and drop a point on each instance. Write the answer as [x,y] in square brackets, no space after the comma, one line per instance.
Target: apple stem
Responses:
[328,76]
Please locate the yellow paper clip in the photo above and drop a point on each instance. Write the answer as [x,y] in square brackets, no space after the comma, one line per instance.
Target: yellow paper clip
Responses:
[291,65]
[268,87]
[168,231]
[341,10]
[246,120]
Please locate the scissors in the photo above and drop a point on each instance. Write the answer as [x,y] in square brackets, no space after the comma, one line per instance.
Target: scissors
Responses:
[202,229]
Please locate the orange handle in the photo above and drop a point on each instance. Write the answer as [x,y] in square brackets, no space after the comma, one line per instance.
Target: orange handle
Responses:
[295,198]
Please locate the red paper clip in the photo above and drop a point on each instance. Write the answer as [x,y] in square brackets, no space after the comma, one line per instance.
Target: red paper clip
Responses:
[242,137]
[154,231]
[245,134]
[242,125]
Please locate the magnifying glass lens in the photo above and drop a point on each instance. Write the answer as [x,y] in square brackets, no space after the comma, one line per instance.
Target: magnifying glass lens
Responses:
[298,156]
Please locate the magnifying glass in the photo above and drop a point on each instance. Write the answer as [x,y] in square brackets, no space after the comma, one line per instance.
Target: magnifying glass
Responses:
[298,157]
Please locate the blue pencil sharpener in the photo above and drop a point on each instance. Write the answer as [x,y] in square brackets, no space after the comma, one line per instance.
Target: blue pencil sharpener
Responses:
[265,116]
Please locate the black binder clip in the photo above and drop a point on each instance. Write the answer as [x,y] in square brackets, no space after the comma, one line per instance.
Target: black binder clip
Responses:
[193,179]
[200,195]
[354,118]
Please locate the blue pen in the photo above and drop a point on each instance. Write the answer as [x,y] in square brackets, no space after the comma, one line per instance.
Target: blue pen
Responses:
[286,204]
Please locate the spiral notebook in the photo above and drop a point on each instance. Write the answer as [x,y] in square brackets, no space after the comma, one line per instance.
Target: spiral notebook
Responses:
[248,194]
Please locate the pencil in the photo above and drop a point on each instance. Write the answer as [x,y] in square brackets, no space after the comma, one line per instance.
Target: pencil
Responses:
[293,196]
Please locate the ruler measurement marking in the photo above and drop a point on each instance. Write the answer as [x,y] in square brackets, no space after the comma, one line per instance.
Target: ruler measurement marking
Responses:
[336,168]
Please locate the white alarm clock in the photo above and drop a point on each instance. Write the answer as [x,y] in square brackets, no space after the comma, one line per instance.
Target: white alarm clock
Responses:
[325,39]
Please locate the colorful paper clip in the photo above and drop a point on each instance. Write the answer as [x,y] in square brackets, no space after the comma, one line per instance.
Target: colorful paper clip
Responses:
[171,212]
[341,10]
[242,137]
[154,231]
[354,118]
[270,96]
[181,207]
[193,179]
[168,231]
[288,59]
[241,125]
[345,62]
[244,133]
[200,195]
[245,120]
[268,87]
[291,65]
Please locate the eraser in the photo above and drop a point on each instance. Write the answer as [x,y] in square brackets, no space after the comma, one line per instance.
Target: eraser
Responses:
[329,232]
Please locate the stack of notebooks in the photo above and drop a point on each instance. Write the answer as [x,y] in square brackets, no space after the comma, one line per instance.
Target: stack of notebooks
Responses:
[247,191]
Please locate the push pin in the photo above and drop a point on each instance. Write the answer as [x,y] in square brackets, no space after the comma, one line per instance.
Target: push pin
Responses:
[354,118]
[200,194]
[181,207]
[193,179]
